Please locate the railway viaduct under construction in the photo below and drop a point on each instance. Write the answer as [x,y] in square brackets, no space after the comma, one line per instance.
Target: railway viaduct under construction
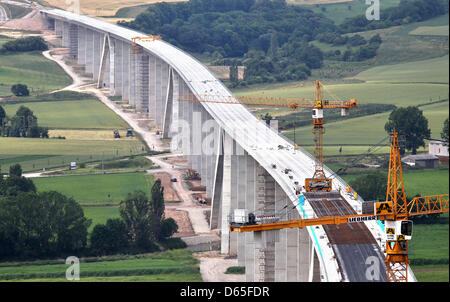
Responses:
[243,162]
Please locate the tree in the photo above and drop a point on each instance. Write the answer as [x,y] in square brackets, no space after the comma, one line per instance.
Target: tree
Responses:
[25,44]
[15,170]
[444,133]
[371,187]
[2,118]
[16,183]
[168,228]
[138,215]
[41,225]
[20,90]
[411,123]
[157,208]
[110,238]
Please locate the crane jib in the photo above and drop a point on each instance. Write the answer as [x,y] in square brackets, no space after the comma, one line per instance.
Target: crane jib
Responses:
[361,219]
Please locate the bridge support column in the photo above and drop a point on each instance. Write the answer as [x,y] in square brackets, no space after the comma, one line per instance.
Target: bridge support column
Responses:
[152,88]
[226,193]
[241,201]
[164,76]
[305,247]
[65,34]
[168,107]
[118,70]
[89,52]
[104,60]
[97,53]
[81,45]
[73,40]
[58,27]
[234,197]
[216,195]
[265,243]
[126,72]
[281,205]
[142,83]
[112,66]
[132,79]
[250,205]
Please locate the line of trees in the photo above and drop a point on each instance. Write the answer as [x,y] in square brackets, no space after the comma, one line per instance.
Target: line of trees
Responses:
[48,224]
[406,12]
[24,44]
[38,225]
[270,38]
[23,124]
[142,226]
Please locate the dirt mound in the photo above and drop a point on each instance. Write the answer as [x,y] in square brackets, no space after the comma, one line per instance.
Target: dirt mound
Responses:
[182,219]
[33,21]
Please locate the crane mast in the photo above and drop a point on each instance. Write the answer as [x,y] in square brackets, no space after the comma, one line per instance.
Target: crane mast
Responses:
[395,212]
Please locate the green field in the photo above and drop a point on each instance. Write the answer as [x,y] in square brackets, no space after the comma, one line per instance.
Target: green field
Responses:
[426,71]
[96,189]
[165,266]
[431,273]
[33,70]
[367,130]
[23,146]
[430,31]
[430,240]
[338,12]
[425,182]
[77,114]
[100,214]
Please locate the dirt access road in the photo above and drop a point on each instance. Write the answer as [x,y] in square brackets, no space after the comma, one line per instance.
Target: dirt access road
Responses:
[212,264]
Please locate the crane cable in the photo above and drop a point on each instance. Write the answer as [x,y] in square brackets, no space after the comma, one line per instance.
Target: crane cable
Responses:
[372,149]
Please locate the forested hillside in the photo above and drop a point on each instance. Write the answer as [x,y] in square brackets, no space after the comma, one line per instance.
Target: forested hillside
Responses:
[270,37]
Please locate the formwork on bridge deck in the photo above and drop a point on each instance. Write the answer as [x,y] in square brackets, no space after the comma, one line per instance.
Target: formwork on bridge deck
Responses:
[352,243]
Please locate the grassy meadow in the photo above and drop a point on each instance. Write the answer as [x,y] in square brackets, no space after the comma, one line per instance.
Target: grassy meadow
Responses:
[96,189]
[81,130]
[87,113]
[175,265]
[341,10]
[33,70]
[98,194]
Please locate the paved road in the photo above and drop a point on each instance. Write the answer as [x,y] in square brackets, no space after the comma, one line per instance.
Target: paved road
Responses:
[213,266]
[3,14]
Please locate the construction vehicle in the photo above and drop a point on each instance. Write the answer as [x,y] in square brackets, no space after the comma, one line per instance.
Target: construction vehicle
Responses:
[116,134]
[191,174]
[318,181]
[395,211]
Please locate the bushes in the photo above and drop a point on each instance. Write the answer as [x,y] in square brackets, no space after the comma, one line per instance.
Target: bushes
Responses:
[23,124]
[266,36]
[24,44]
[20,90]
[41,225]
[235,270]
[142,225]
[173,243]
[406,12]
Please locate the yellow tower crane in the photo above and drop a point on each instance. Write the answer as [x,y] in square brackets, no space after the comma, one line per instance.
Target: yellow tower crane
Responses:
[318,182]
[395,211]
